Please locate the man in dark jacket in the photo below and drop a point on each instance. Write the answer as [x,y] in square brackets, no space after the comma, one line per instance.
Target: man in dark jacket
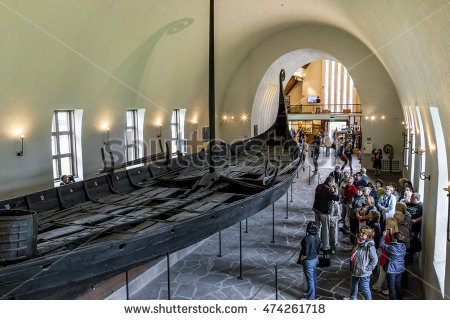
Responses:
[323,204]
[359,181]
[309,257]
[337,175]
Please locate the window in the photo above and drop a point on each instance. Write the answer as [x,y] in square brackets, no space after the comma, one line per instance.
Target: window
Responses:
[440,243]
[338,87]
[131,135]
[412,141]
[177,130]
[63,144]
[326,83]
[421,133]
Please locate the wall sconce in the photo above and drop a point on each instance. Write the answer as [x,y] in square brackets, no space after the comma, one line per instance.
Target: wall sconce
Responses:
[195,123]
[159,124]
[225,117]
[383,117]
[403,123]
[373,118]
[366,117]
[448,210]
[20,153]
[244,117]
[422,175]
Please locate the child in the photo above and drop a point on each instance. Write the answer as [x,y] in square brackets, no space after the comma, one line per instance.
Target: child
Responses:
[395,263]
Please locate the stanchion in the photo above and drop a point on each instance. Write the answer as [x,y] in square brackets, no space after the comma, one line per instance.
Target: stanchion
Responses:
[127,287]
[291,190]
[168,276]
[240,250]
[276,282]
[309,179]
[318,178]
[246,226]
[273,223]
[287,205]
[220,244]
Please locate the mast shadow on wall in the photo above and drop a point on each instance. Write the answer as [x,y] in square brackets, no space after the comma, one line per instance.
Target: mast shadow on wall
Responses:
[128,76]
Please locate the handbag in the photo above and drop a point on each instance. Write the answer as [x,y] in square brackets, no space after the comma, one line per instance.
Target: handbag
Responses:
[372,159]
[343,158]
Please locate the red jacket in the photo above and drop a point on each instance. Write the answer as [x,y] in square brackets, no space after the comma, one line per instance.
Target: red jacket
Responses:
[349,192]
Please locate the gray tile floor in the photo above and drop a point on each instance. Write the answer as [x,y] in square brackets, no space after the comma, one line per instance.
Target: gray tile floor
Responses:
[204,275]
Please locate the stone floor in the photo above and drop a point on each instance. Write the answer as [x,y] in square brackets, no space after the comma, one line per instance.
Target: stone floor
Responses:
[204,275]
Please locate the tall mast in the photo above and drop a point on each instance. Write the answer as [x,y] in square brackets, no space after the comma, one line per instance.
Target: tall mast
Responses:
[211,99]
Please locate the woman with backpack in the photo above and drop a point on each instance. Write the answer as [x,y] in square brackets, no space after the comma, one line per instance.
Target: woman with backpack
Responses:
[309,258]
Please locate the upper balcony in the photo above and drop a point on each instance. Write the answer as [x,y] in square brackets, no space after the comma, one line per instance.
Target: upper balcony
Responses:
[344,109]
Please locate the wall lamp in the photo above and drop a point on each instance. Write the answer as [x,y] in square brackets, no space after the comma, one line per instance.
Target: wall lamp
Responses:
[448,211]
[20,153]
[422,175]
[244,117]
[195,124]
[159,124]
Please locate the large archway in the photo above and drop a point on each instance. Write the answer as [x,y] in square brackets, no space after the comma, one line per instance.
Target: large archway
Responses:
[252,88]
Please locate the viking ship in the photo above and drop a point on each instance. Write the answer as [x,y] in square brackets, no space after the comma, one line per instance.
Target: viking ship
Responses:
[124,218]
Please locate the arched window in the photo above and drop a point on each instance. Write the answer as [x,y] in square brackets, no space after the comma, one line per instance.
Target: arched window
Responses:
[421,133]
[412,141]
[440,243]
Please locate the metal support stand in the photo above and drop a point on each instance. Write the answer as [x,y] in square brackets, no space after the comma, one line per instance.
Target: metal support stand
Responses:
[273,223]
[240,250]
[287,205]
[318,178]
[276,282]
[309,179]
[220,244]
[291,191]
[127,287]
[246,226]
[168,276]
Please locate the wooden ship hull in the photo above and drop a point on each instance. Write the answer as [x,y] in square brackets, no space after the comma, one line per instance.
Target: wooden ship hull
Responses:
[119,220]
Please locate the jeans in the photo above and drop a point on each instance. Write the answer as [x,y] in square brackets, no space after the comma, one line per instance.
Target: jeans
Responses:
[394,281]
[323,222]
[365,282]
[334,234]
[349,161]
[315,157]
[309,268]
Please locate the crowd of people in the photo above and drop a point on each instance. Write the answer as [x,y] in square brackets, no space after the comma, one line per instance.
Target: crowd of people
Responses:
[383,225]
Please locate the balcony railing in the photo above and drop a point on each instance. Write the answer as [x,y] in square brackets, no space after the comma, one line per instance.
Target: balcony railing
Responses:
[324,109]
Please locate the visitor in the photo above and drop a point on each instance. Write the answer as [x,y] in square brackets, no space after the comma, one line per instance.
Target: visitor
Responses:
[391,224]
[359,182]
[377,157]
[337,175]
[395,191]
[316,153]
[362,213]
[395,263]
[373,193]
[304,147]
[349,192]
[405,185]
[379,187]
[309,257]
[327,142]
[415,208]
[358,202]
[406,196]
[325,194]
[364,176]
[347,158]
[387,203]
[334,220]
[403,227]
[373,222]
[402,208]
[363,260]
